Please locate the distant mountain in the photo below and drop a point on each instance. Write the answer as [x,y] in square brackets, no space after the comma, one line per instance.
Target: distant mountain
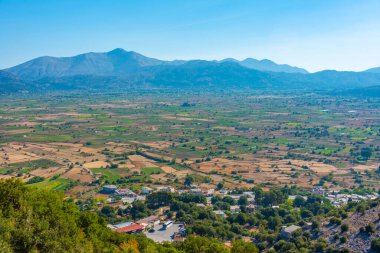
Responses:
[267,65]
[192,74]
[206,74]
[120,69]
[373,70]
[11,83]
[117,62]
[200,73]
[331,79]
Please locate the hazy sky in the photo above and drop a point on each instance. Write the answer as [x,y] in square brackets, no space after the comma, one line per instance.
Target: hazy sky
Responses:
[314,34]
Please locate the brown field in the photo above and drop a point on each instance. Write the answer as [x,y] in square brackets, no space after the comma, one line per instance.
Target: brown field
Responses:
[168,169]
[79,174]
[89,150]
[145,165]
[96,165]
[137,158]
[156,144]
[46,173]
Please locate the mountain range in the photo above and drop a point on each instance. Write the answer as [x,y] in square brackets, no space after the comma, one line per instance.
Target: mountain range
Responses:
[124,69]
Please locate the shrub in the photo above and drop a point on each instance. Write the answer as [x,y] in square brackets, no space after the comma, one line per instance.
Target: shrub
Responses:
[335,220]
[370,228]
[36,179]
[344,228]
[375,245]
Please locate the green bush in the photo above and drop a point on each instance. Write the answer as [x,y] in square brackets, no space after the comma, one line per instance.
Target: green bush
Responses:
[344,228]
[375,245]
[34,180]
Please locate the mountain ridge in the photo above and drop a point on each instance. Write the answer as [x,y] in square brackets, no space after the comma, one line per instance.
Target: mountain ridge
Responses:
[117,62]
[267,65]
[121,69]
[373,70]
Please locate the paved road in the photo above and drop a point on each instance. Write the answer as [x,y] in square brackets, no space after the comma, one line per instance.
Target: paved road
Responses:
[162,235]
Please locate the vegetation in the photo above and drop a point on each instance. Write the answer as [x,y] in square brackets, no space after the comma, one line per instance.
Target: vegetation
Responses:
[35,220]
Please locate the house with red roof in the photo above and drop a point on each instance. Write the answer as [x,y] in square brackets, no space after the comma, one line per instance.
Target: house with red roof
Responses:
[130,229]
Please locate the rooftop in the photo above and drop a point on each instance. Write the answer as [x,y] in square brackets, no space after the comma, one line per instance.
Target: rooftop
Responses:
[291,228]
[130,228]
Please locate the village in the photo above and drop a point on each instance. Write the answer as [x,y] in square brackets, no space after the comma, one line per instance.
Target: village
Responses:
[160,227]
[338,199]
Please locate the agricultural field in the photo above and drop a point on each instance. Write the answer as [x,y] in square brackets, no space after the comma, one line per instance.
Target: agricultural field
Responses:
[75,143]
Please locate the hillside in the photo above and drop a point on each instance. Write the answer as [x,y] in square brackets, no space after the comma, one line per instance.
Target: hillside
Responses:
[358,239]
[11,83]
[373,70]
[117,62]
[372,91]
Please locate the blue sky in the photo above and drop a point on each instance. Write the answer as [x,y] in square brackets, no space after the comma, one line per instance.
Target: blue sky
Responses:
[314,34]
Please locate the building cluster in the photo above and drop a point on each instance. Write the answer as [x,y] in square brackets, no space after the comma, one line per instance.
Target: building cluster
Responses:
[338,199]
[149,224]
[126,196]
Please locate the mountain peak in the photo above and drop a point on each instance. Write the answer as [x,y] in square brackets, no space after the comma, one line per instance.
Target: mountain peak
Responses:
[117,62]
[117,51]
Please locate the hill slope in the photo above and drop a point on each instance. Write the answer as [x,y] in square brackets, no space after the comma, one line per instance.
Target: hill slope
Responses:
[372,91]
[373,70]
[11,83]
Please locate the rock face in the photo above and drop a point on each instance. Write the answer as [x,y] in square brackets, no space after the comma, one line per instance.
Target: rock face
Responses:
[357,241]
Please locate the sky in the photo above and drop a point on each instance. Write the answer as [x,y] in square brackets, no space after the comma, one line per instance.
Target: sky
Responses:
[313,34]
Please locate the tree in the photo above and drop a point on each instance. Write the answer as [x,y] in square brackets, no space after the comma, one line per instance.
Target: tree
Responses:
[299,201]
[35,179]
[229,200]
[159,199]
[34,220]
[108,211]
[139,210]
[274,222]
[344,228]
[370,228]
[198,244]
[240,246]
[243,201]
[220,186]
[375,245]
[273,197]
[189,180]
[241,218]
[366,153]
